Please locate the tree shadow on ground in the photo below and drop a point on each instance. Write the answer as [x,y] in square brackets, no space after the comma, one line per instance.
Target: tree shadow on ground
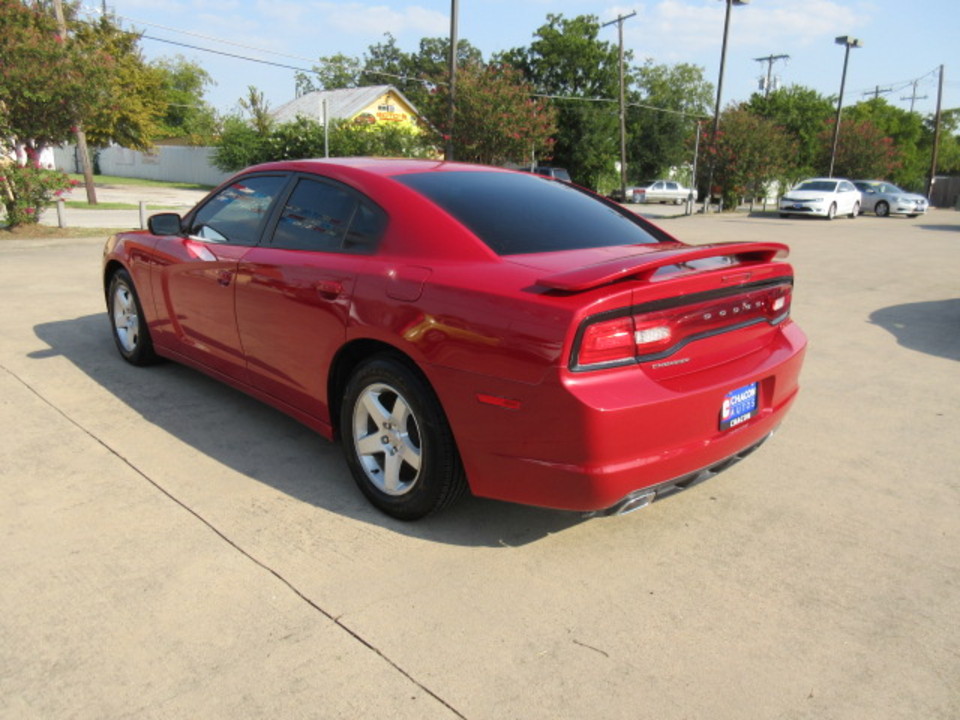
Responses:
[927,327]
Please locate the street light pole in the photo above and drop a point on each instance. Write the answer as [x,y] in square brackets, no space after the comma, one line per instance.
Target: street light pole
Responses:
[848,42]
[716,110]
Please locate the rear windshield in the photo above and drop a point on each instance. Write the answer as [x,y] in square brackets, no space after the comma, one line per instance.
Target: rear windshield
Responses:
[517,213]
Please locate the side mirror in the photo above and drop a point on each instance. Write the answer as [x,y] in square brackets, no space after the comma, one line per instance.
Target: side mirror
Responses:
[164,224]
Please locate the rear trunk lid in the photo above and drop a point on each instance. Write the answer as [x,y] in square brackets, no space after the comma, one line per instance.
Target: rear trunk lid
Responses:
[670,308]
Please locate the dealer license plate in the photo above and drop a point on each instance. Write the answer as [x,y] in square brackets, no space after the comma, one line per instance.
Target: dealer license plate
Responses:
[738,406]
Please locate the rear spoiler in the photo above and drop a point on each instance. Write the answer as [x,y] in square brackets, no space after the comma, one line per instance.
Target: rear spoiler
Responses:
[643,266]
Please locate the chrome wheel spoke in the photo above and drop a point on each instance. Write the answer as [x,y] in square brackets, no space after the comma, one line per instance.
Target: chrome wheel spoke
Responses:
[387,439]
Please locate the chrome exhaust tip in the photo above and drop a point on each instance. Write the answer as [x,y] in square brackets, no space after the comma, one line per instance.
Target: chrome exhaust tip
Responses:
[634,501]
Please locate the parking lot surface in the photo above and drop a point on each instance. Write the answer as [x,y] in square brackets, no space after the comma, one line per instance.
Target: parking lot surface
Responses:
[172,548]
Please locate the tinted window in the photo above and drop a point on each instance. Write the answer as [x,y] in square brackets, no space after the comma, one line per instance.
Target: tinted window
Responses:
[326,217]
[235,214]
[821,185]
[515,213]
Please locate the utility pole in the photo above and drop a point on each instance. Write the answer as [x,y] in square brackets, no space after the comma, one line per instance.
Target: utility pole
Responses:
[452,110]
[623,107]
[936,137]
[877,91]
[770,60]
[913,96]
[80,134]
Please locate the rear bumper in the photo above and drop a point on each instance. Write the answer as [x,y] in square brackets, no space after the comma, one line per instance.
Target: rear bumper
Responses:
[585,442]
[641,498]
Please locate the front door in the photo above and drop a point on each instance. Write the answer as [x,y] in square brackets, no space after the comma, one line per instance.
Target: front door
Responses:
[196,301]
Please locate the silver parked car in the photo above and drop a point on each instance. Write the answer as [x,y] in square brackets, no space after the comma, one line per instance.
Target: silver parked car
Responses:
[661,191]
[885,198]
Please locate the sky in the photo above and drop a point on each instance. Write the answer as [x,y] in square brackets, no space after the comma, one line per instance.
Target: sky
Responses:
[903,43]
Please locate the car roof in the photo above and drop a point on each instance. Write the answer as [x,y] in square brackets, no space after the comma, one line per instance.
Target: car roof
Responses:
[383,167]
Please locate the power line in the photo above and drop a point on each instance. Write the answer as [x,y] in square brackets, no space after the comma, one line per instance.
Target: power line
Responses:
[629,104]
[261,61]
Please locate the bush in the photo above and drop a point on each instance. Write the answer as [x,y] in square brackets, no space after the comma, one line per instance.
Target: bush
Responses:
[241,145]
[26,190]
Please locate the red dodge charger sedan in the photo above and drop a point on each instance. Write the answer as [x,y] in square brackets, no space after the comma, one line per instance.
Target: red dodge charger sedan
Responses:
[457,326]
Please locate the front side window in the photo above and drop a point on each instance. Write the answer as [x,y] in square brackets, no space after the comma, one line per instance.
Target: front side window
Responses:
[235,215]
[324,217]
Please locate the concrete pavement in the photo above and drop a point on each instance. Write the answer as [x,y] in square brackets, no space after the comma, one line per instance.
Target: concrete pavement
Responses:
[171,548]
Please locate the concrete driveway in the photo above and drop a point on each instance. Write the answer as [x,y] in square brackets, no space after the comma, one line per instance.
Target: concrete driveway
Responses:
[171,548]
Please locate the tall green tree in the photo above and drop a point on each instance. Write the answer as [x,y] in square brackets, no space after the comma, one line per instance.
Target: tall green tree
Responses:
[48,84]
[187,115]
[863,150]
[130,108]
[906,131]
[747,153]
[498,120]
[948,154]
[567,59]
[673,98]
[802,113]
[332,72]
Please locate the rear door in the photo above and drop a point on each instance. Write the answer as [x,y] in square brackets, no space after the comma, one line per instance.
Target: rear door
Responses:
[295,290]
[199,273]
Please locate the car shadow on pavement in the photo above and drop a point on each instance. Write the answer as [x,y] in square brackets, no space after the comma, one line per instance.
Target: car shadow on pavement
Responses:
[252,438]
[928,327]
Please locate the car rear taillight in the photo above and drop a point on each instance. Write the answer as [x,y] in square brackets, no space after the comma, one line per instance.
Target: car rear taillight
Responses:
[656,330]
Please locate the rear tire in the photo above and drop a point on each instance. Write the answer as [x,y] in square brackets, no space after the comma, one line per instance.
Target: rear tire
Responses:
[130,331]
[397,441]
[855,211]
[882,209]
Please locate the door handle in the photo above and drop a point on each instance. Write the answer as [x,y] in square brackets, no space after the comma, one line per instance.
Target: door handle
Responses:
[330,288]
[224,277]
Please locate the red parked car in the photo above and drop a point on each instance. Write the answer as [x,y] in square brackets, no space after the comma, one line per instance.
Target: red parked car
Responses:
[458,326]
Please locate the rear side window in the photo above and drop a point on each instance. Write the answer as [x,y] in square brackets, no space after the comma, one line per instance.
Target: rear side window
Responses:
[517,213]
[326,217]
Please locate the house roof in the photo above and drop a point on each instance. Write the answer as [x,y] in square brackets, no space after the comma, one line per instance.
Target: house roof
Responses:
[344,103]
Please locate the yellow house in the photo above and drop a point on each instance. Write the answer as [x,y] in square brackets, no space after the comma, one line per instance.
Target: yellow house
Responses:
[368,105]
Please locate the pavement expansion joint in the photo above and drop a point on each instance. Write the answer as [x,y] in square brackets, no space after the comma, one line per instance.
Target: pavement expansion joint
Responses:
[336,620]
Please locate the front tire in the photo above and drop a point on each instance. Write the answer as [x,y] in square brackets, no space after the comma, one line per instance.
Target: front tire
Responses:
[882,209]
[832,212]
[397,441]
[130,331]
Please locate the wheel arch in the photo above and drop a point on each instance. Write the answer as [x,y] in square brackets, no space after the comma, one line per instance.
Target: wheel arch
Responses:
[348,358]
[109,270]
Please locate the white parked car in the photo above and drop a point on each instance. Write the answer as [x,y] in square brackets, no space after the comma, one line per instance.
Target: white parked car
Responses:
[883,198]
[824,197]
[661,191]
